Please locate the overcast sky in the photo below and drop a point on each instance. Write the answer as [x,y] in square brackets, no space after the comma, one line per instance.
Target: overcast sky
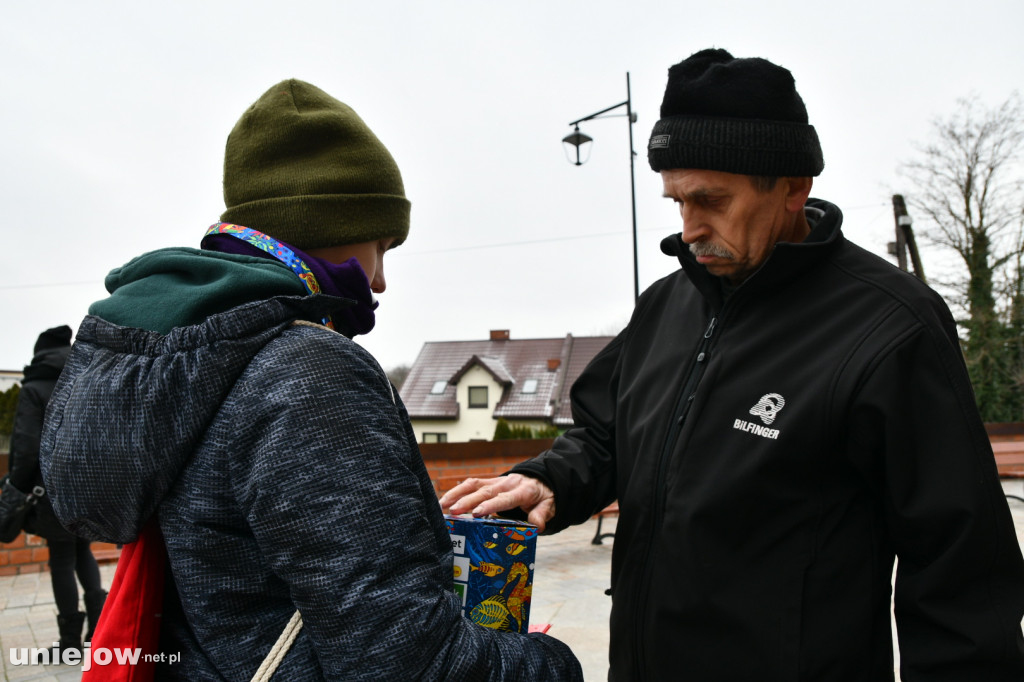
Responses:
[113,117]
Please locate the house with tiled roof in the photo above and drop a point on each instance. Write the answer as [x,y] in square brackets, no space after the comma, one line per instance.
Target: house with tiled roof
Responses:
[457,390]
[10,377]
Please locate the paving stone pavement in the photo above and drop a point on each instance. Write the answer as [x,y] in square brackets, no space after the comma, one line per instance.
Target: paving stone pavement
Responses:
[28,619]
[571,577]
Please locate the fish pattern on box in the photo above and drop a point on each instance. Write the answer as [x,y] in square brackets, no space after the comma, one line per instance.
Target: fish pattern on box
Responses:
[493,570]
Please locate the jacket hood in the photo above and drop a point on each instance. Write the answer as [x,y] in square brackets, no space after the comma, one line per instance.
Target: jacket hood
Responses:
[177,287]
[46,364]
[132,405]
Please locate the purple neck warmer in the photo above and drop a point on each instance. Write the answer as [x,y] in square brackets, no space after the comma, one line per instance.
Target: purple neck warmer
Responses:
[344,280]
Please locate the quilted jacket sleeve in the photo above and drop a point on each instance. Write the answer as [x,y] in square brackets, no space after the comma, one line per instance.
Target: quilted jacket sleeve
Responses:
[340,503]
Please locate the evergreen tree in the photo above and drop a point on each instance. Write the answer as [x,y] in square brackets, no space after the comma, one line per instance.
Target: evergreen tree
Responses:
[502,431]
[546,432]
[8,405]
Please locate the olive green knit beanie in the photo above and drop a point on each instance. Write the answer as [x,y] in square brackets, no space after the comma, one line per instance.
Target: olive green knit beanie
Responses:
[304,168]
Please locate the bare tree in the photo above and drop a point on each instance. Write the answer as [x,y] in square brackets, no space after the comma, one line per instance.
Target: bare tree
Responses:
[398,374]
[968,188]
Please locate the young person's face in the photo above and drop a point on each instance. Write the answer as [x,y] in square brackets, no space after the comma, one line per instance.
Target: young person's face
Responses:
[369,254]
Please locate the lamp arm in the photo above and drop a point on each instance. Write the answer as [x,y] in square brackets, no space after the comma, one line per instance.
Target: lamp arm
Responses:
[603,111]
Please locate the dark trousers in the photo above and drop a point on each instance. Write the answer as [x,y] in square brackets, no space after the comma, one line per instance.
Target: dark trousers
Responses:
[69,557]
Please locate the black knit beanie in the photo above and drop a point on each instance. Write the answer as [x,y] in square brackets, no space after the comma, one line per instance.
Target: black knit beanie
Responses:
[305,169]
[55,337]
[739,116]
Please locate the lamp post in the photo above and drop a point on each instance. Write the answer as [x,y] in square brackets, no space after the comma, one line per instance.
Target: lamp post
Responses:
[579,141]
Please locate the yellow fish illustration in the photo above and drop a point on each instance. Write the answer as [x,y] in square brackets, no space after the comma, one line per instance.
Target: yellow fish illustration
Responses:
[490,545]
[488,569]
[515,548]
[498,611]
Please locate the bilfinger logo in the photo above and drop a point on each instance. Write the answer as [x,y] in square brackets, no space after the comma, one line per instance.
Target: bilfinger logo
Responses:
[768,407]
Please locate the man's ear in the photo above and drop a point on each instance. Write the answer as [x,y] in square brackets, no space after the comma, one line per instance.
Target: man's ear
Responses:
[797,191]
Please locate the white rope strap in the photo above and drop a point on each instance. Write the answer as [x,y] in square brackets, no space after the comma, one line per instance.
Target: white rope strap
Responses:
[280,648]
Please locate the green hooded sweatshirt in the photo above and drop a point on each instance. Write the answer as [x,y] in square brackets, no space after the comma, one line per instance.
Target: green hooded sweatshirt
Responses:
[177,287]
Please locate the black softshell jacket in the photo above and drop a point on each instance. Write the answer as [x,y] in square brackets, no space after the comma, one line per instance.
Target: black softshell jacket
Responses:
[771,453]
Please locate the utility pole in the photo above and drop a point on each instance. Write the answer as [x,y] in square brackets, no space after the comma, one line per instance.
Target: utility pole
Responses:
[905,242]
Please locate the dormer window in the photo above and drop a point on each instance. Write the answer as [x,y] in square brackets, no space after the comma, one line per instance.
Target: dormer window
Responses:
[530,386]
[478,396]
[438,388]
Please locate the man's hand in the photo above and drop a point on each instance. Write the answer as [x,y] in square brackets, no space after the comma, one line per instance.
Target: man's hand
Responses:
[484,496]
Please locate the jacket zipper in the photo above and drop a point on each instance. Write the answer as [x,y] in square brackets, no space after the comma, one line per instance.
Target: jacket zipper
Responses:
[683,405]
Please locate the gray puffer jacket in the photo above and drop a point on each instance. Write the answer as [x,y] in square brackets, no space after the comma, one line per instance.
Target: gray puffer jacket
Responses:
[284,473]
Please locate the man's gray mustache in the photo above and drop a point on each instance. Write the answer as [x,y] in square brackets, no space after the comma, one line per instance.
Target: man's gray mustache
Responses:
[709,249]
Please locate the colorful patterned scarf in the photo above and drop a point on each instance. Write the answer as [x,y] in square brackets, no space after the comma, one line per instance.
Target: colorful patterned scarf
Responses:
[344,280]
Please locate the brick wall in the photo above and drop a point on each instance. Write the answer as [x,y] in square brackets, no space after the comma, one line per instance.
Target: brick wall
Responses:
[29,554]
[450,463]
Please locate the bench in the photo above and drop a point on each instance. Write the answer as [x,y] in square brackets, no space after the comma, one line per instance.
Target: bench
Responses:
[611,510]
[1009,458]
[1010,461]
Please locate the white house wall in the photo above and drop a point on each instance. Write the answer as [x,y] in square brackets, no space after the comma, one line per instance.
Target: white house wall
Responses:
[445,426]
[8,379]
[475,423]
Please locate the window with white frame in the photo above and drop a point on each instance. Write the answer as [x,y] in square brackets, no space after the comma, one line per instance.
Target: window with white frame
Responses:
[435,437]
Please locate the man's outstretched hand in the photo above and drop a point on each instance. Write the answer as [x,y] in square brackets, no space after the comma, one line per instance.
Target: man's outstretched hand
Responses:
[486,496]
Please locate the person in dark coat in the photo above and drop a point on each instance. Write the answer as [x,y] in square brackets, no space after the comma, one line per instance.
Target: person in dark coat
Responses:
[216,407]
[69,555]
[783,416]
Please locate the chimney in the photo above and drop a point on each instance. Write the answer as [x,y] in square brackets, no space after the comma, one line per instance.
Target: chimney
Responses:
[499,335]
[553,364]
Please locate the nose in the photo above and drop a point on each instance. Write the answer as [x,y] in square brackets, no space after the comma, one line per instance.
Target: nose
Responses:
[694,229]
[379,284]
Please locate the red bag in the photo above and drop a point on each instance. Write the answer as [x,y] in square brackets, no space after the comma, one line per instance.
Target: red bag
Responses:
[130,619]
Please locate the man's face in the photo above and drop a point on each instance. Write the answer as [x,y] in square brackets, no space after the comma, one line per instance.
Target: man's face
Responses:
[730,226]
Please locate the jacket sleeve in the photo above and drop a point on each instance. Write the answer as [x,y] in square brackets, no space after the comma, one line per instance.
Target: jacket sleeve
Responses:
[916,433]
[580,466]
[340,503]
[28,425]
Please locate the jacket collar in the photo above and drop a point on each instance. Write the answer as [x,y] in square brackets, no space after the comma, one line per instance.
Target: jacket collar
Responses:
[786,262]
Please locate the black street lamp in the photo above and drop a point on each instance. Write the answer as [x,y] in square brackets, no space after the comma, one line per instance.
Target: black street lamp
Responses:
[581,141]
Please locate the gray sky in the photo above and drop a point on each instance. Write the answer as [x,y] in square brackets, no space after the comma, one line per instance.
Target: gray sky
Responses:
[113,117]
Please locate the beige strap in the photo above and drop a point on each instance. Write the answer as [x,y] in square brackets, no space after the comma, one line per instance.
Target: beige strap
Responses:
[307,323]
[280,648]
